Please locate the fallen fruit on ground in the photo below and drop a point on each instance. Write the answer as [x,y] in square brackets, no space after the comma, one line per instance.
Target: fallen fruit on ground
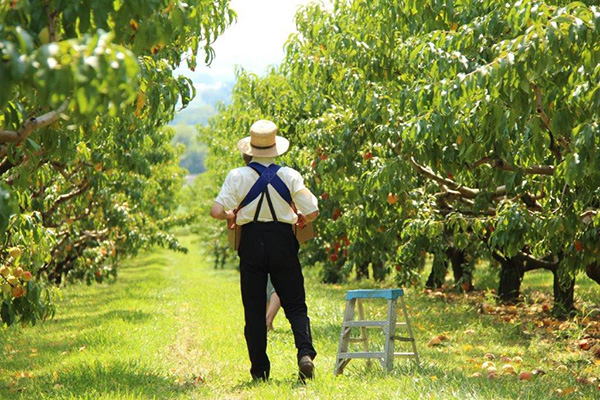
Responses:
[525,376]
[508,369]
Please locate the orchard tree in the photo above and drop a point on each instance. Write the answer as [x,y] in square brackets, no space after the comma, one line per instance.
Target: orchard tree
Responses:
[88,173]
[465,128]
[483,115]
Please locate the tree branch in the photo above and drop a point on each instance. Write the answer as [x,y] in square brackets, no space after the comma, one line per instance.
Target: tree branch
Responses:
[427,172]
[546,121]
[531,263]
[51,22]
[533,170]
[505,166]
[31,125]
[65,197]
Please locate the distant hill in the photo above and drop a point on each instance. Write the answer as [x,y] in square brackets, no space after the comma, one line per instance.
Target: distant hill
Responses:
[208,95]
[198,112]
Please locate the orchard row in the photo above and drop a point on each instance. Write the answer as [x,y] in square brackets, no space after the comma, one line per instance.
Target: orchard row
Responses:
[461,129]
[88,174]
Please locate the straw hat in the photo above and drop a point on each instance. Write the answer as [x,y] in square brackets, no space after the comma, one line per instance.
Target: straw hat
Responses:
[263,140]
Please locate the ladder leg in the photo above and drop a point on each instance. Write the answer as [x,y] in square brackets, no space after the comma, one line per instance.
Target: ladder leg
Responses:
[363,330]
[409,329]
[389,335]
[340,362]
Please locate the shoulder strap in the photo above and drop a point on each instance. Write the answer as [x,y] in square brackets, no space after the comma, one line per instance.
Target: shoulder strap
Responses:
[273,179]
[266,176]
[259,186]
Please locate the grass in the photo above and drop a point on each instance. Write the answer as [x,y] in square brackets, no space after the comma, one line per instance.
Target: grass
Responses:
[172,327]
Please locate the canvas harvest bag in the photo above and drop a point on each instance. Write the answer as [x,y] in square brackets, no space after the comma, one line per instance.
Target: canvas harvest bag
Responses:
[267,176]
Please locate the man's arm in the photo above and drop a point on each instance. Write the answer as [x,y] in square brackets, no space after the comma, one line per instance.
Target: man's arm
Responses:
[218,212]
[312,216]
[305,219]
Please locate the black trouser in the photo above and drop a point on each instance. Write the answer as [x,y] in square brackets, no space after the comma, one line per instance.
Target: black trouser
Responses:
[272,248]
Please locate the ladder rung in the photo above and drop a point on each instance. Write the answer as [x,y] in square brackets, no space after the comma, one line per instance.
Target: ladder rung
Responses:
[356,340]
[400,323]
[403,339]
[362,355]
[353,324]
[405,355]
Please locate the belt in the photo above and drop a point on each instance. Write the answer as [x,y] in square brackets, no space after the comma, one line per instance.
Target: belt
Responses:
[266,226]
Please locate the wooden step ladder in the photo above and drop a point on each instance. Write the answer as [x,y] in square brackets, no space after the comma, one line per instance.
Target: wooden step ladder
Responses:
[356,297]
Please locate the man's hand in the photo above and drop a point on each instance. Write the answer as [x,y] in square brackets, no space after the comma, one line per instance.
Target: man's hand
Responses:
[302,221]
[305,219]
[231,223]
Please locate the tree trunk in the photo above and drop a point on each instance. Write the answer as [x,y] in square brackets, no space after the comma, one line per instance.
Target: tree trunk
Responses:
[461,277]
[564,303]
[379,271]
[593,272]
[362,271]
[438,273]
[511,274]
[217,254]
[223,257]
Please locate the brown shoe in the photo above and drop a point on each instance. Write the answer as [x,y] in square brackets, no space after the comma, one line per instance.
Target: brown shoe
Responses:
[306,368]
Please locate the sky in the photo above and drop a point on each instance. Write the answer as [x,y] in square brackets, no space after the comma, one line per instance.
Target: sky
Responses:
[254,42]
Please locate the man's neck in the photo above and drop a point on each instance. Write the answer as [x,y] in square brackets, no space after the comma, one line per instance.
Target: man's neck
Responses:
[264,160]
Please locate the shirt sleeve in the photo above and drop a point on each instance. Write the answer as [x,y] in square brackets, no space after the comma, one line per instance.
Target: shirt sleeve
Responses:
[227,196]
[305,201]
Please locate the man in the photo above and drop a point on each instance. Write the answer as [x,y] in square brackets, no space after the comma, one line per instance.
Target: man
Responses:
[268,246]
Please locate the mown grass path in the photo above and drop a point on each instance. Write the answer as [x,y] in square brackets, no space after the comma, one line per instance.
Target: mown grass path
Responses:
[172,327]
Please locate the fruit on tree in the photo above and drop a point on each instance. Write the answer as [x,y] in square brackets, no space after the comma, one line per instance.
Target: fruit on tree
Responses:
[367,156]
[6,288]
[27,276]
[4,271]
[12,280]
[14,252]
[17,272]
[333,257]
[392,198]
[44,35]
[18,291]
[336,214]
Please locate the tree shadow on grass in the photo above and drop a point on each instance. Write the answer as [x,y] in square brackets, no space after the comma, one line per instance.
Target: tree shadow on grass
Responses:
[75,332]
[91,319]
[291,382]
[109,379]
[149,263]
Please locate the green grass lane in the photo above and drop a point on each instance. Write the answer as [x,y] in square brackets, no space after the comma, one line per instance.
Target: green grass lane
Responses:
[171,327]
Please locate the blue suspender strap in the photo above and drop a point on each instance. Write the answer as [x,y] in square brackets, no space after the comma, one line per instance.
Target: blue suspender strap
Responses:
[267,175]
[270,174]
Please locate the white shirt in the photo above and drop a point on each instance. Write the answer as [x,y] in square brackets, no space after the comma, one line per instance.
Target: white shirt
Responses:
[240,180]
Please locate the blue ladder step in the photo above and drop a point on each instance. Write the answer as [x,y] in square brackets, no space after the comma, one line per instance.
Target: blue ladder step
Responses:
[388,294]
